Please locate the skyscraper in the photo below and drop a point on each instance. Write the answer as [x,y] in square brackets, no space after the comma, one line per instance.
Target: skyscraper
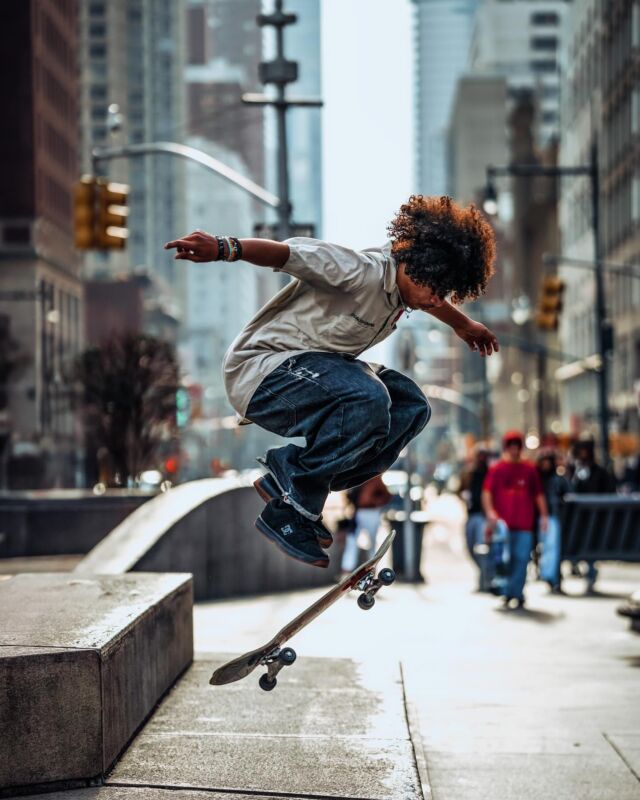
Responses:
[522,41]
[602,105]
[132,55]
[443,31]
[40,285]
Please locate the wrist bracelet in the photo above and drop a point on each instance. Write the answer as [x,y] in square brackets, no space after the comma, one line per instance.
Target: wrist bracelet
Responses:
[238,248]
[232,250]
[220,243]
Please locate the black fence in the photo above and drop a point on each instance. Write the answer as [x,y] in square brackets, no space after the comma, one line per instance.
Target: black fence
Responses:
[601,527]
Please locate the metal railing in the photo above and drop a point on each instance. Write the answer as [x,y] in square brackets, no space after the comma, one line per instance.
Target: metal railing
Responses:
[601,527]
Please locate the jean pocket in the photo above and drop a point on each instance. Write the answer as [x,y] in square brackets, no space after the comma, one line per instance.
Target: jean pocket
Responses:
[272,412]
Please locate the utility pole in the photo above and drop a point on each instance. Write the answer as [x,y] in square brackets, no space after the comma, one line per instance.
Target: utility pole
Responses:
[280,72]
[604,329]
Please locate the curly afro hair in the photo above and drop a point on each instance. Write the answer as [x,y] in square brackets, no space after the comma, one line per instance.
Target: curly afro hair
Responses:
[444,246]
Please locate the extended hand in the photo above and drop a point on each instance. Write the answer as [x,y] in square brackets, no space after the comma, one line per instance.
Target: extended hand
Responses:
[197,246]
[478,337]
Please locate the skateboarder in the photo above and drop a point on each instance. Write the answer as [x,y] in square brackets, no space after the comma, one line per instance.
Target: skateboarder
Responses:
[295,368]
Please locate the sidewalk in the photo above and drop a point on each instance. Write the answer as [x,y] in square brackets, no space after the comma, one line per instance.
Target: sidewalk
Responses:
[502,705]
[436,693]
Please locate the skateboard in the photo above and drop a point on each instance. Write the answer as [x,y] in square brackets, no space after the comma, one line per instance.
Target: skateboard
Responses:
[274,657]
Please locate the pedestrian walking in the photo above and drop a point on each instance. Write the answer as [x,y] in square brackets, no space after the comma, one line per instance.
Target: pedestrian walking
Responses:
[368,501]
[512,494]
[589,477]
[471,482]
[555,487]
[295,369]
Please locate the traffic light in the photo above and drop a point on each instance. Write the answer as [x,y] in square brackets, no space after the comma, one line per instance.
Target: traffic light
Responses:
[183,407]
[111,223]
[550,303]
[84,212]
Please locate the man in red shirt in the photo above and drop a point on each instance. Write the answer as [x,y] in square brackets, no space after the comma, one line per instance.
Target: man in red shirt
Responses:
[512,493]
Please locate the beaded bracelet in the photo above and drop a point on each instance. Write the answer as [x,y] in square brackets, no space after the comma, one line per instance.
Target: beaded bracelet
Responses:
[232,249]
[238,248]
[220,242]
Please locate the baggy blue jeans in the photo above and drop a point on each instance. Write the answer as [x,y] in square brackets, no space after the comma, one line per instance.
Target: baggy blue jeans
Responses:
[521,544]
[551,547]
[355,417]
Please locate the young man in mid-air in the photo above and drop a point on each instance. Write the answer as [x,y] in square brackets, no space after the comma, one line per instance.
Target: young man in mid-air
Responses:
[295,369]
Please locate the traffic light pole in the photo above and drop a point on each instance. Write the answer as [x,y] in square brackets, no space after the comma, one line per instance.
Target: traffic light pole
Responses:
[258,192]
[604,338]
[280,72]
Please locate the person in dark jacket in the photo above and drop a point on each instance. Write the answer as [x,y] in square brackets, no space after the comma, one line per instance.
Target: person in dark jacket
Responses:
[471,482]
[555,487]
[589,477]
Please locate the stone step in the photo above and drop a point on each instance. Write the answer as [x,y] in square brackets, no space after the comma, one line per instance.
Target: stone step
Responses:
[83,662]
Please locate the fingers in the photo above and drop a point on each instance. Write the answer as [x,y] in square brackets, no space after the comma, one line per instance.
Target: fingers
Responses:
[189,255]
[186,243]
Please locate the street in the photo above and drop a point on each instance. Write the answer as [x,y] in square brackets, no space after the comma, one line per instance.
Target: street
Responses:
[536,703]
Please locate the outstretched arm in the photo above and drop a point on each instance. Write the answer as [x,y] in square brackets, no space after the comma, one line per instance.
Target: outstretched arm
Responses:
[475,334]
[200,246]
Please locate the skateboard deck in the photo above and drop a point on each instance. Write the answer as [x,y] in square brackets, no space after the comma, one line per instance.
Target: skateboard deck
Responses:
[274,657]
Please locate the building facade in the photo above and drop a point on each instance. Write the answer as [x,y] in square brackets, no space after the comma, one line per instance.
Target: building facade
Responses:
[522,40]
[132,60]
[602,88]
[40,280]
[442,34]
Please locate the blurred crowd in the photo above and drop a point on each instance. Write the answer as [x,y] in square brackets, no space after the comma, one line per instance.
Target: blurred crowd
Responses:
[514,510]
[514,501]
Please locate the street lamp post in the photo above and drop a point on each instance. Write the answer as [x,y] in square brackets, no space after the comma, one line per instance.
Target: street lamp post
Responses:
[591,170]
[280,72]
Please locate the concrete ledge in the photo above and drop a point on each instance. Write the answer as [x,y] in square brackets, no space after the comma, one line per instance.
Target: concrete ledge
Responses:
[83,662]
[61,521]
[207,528]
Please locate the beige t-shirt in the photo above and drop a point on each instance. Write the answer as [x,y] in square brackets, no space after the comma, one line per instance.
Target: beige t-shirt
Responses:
[340,301]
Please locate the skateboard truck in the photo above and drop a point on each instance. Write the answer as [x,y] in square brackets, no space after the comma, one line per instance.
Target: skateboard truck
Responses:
[275,661]
[370,586]
[274,657]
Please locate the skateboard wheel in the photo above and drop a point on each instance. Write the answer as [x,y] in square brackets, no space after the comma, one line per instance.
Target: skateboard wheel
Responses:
[267,683]
[387,576]
[288,656]
[365,602]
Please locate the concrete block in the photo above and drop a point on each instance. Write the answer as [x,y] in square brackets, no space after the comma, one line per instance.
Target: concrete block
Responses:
[205,527]
[50,715]
[83,661]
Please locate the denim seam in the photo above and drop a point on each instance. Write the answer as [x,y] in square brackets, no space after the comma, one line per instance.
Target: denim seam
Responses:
[290,405]
[286,496]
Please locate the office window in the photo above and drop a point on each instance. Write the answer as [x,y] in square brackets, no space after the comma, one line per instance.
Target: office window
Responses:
[544,65]
[98,51]
[549,43]
[544,18]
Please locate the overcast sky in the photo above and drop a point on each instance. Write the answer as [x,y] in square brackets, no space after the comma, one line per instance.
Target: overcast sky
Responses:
[367,118]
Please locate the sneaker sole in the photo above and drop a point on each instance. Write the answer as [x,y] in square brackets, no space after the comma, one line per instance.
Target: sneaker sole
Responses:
[267,497]
[266,531]
[264,494]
